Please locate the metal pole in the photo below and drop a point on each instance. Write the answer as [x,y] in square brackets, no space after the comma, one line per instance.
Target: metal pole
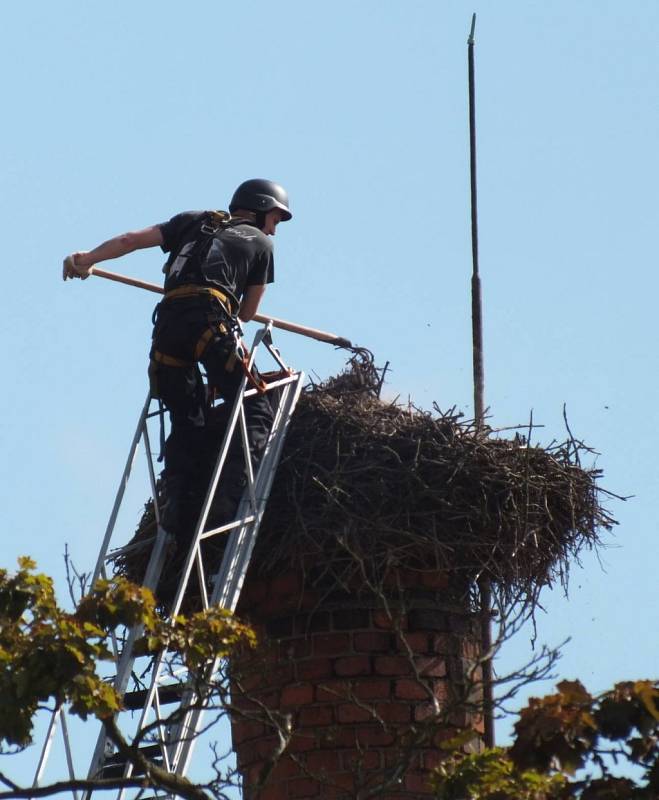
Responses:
[476,308]
[479,391]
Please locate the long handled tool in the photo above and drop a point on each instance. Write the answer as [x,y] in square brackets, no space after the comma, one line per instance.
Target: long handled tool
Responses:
[293,327]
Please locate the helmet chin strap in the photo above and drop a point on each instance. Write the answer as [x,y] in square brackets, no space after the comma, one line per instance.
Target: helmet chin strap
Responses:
[259,219]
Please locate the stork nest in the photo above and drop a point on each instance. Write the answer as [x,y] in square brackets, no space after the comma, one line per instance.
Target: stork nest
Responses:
[366,486]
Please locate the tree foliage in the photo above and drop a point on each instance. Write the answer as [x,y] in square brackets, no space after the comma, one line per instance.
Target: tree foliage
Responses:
[49,657]
[567,745]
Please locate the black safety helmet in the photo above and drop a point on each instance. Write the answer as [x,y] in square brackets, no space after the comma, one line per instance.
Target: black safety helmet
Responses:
[261,196]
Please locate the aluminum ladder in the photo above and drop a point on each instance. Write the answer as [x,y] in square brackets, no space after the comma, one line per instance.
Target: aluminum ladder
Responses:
[173,745]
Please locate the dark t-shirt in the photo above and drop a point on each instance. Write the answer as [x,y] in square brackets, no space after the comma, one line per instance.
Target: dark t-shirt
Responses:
[239,255]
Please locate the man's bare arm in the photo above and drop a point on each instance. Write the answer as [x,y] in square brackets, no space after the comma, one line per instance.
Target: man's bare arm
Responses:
[77,264]
[250,302]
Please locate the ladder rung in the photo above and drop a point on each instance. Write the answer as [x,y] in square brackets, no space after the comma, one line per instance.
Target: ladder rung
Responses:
[115,765]
[166,694]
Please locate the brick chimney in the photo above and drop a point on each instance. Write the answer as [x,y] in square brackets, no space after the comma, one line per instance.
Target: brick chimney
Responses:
[370,681]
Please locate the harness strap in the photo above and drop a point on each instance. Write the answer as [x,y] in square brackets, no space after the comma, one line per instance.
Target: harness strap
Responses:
[170,361]
[203,341]
[257,383]
[191,290]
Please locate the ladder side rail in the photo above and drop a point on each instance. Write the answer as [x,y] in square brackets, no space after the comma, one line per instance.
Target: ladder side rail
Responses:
[163,733]
[121,490]
[233,544]
[127,660]
[47,745]
[274,352]
[69,755]
[210,495]
[245,552]
[224,582]
[201,578]
[152,474]
[228,570]
[113,634]
[184,747]
[249,467]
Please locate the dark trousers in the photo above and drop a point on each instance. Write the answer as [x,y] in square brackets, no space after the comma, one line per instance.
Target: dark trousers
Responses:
[192,446]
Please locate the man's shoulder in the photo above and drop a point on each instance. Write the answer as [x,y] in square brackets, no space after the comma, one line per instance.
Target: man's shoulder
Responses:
[185,218]
[242,231]
[179,227]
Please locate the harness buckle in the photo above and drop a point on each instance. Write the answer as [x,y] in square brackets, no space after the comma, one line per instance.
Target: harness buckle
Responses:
[214,221]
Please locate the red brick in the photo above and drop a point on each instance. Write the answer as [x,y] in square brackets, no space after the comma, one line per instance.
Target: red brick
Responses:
[352,665]
[432,759]
[312,623]
[392,665]
[372,642]
[440,689]
[284,768]
[411,689]
[277,627]
[349,712]
[429,619]
[252,592]
[252,701]
[443,734]
[385,621]
[371,689]
[426,711]
[242,730]
[394,755]
[282,673]
[412,642]
[297,695]
[478,724]
[444,644]
[393,712]
[418,782]
[316,717]
[432,667]
[295,648]
[303,787]
[461,718]
[301,742]
[437,580]
[323,760]
[364,759]
[286,583]
[470,648]
[258,750]
[350,620]
[269,792]
[331,644]
[374,736]
[336,737]
[313,669]
[332,691]
[345,781]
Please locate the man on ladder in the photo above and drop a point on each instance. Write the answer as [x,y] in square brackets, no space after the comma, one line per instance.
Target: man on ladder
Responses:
[217,271]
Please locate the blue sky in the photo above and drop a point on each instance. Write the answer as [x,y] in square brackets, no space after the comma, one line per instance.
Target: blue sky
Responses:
[117,116]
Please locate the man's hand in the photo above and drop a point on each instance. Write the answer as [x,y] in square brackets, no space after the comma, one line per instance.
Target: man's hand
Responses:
[73,267]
